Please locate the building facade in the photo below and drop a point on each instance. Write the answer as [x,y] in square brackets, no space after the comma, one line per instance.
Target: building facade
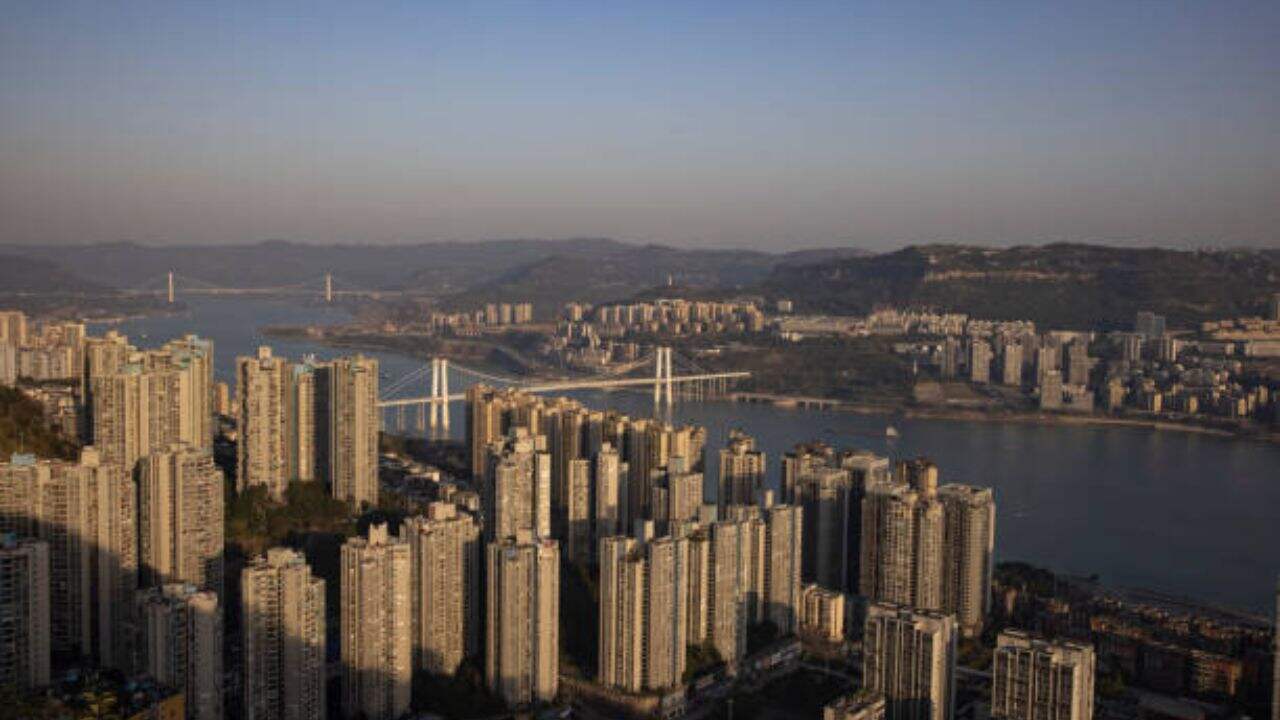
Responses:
[445,550]
[522,620]
[910,658]
[1034,678]
[283,632]
[377,625]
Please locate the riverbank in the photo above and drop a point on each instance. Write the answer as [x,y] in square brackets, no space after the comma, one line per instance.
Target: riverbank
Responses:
[1001,416]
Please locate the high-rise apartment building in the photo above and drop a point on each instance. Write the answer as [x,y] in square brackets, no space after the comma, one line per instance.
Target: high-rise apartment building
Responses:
[902,540]
[1078,363]
[910,658]
[13,327]
[445,550]
[86,513]
[148,400]
[831,500]
[264,446]
[1011,364]
[742,469]
[181,645]
[185,366]
[181,498]
[675,498]
[783,558]
[346,391]
[980,362]
[822,613]
[1149,325]
[643,613]
[102,357]
[522,620]
[578,540]
[1034,678]
[968,549]
[283,628]
[610,492]
[484,419]
[377,625]
[519,496]
[24,604]
[717,602]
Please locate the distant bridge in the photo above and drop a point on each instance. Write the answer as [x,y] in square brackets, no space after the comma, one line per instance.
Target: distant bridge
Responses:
[321,286]
[664,382]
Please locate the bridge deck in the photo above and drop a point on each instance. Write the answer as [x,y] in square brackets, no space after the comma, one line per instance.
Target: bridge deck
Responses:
[576,385]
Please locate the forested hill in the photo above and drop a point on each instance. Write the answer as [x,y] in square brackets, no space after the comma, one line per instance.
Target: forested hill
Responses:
[1059,286]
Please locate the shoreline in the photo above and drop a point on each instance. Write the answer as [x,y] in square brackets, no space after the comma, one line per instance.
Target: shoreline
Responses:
[915,412]
[1021,418]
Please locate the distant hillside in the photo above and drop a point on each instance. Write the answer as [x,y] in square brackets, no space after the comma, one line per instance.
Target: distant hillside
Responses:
[26,275]
[618,273]
[547,272]
[434,268]
[1065,285]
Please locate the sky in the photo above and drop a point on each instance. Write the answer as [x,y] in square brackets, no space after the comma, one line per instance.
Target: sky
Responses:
[771,125]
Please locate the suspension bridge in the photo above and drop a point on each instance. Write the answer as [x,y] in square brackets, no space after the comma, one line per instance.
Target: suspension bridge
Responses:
[667,385]
[325,286]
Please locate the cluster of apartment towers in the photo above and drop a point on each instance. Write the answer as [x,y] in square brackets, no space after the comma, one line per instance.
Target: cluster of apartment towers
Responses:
[116,559]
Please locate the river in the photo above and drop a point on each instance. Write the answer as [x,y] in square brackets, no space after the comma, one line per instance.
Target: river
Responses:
[1182,513]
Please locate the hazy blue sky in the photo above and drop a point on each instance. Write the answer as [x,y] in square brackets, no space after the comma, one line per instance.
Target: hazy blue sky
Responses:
[774,125]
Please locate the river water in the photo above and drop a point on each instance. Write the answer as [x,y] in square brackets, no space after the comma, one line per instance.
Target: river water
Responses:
[1183,513]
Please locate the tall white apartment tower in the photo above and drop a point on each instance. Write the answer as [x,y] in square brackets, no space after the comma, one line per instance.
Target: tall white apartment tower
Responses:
[902,538]
[445,549]
[643,612]
[24,603]
[1041,680]
[910,657]
[377,626]
[181,497]
[742,469]
[347,399]
[968,549]
[264,424]
[181,645]
[86,513]
[283,625]
[522,638]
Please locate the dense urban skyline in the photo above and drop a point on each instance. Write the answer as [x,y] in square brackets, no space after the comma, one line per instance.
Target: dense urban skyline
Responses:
[711,124]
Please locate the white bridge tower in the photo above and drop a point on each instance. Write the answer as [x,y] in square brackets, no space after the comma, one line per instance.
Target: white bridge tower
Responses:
[440,392]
